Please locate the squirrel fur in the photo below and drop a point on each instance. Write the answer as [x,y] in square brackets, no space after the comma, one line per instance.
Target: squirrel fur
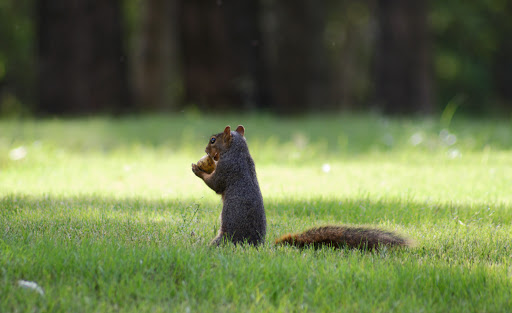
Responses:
[243,214]
[363,238]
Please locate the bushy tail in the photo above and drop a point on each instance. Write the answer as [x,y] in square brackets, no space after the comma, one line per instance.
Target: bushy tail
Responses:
[344,237]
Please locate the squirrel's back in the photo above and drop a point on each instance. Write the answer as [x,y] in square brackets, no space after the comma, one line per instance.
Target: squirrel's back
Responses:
[343,236]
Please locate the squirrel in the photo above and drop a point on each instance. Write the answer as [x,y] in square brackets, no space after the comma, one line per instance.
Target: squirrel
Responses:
[243,214]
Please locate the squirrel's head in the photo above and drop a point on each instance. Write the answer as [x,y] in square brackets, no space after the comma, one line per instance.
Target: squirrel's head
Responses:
[222,142]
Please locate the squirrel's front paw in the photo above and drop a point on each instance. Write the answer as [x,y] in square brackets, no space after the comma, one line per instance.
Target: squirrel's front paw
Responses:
[197,170]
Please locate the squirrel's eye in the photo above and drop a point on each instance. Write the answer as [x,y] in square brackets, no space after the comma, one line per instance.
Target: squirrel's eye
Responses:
[212,141]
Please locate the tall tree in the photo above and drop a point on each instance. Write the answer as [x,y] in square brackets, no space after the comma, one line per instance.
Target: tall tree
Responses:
[243,22]
[502,67]
[403,57]
[157,79]
[300,75]
[81,60]
[223,66]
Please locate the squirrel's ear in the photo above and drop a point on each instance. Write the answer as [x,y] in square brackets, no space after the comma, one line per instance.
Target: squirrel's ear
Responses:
[227,133]
[241,130]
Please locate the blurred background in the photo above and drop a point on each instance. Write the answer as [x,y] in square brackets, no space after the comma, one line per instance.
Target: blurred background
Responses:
[394,57]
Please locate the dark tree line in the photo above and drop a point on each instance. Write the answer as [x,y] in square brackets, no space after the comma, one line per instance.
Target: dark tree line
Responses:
[278,56]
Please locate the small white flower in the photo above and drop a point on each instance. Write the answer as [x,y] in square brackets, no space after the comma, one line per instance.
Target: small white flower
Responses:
[448,138]
[18,153]
[454,153]
[416,139]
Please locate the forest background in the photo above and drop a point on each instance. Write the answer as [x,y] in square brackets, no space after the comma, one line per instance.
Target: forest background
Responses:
[397,57]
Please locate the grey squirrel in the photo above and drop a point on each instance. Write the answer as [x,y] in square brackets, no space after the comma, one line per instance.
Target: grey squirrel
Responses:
[243,214]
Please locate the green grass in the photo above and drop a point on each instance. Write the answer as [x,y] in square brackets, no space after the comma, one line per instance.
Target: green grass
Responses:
[106,215]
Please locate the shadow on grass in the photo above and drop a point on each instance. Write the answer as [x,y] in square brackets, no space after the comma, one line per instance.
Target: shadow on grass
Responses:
[195,221]
[345,210]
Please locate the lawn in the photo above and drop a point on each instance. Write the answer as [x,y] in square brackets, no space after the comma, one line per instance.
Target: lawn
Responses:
[105,215]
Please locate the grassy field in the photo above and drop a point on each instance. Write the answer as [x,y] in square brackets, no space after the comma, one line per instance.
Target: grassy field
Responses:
[105,215]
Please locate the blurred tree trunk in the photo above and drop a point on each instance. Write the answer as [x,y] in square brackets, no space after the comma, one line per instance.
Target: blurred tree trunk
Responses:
[403,57]
[502,67]
[244,19]
[157,77]
[300,75]
[350,40]
[502,75]
[221,51]
[81,62]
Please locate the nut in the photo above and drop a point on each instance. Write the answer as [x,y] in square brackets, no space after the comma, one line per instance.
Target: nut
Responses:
[206,164]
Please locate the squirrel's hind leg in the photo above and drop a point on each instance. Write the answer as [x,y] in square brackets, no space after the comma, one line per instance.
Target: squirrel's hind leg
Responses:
[217,240]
